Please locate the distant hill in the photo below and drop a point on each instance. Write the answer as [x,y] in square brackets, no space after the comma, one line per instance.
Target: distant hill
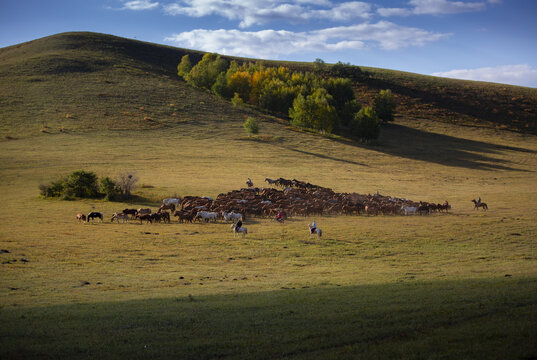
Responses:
[93,81]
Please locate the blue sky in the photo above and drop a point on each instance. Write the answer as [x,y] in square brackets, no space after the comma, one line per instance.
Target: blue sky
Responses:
[489,40]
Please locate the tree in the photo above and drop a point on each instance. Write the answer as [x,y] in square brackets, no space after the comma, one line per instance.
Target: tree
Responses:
[319,64]
[314,111]
[365,124]
[205,72]
[251,126]
[127,183]
[385,105]
[184,66]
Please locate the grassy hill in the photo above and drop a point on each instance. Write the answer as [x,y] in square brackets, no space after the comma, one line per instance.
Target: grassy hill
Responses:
[451,285]
[87,81]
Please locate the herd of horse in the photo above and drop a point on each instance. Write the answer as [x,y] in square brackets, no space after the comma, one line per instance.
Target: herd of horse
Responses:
[297,198]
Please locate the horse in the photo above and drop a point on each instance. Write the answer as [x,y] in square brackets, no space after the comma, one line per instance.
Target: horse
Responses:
[147,217]
[95,214]
[317,231]
[131,212]
[271,182]
[242,229]
[478,205]
[232,216]
[407,210]
[121,216]
[81,217]
[170,206]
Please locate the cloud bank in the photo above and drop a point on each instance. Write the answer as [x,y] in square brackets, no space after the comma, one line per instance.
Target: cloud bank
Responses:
[270,44]
[259,12]
[521,74]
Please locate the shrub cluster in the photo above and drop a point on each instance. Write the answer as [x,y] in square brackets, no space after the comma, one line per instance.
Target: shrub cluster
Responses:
[84,185]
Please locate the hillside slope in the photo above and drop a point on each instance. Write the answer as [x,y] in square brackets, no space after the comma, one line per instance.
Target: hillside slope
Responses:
[87,80]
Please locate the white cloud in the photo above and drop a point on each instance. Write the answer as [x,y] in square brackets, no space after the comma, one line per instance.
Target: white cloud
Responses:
[521,74]
[251,12]
[270,44]
[435,7]
[139,5]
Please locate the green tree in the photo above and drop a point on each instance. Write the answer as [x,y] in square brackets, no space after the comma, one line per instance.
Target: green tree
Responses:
[251,126]
[184,66]
[205,72]
[346,115]
[82,184]
[385,105]
[314,111]
[366,124]
[236,100]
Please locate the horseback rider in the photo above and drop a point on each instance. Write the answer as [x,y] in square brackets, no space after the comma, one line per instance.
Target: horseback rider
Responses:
[479,201]
[238,225]
[249,182]
[313,226]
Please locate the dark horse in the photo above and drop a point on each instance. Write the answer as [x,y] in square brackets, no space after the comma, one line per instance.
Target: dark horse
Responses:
[478,205]
[95,214]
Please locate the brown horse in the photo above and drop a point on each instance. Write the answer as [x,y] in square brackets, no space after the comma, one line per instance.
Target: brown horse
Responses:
[478,205]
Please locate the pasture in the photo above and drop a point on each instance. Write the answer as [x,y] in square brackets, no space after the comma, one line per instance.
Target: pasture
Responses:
[456,285]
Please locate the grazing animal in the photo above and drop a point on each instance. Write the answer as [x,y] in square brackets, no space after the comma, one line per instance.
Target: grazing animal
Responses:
[120,216]
[184,215]
[237,231]
[317,231]
[271,182]
[173,201]
[206,216]
[232,216]
[95,214]
[478,205]
[131,212]
[407,210]
[143,211]
[147,217]
[81,217]
[165,216]
[423,210]
[170,206]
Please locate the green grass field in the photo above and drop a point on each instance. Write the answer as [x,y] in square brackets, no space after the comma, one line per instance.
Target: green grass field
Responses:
[452,285]
[444,286]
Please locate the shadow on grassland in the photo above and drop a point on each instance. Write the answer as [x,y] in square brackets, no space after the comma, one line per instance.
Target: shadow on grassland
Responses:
[485,319]
[407,142]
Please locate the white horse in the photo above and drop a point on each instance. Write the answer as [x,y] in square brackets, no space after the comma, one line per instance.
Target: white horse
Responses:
[232,216]
[317,231]
[242,229]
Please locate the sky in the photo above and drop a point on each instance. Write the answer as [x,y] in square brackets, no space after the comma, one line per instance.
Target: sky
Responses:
[486,40]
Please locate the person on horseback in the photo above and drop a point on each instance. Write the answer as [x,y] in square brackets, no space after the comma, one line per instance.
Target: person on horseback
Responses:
[238,225]
[249,182]
[313,226]
[479,201]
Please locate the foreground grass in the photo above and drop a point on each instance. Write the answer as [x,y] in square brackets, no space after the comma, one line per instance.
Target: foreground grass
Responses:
[483,319]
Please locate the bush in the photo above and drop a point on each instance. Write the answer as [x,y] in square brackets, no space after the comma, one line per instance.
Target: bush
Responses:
[385,105]
[82,184]
[251,126]
[109,188]
[365,124]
